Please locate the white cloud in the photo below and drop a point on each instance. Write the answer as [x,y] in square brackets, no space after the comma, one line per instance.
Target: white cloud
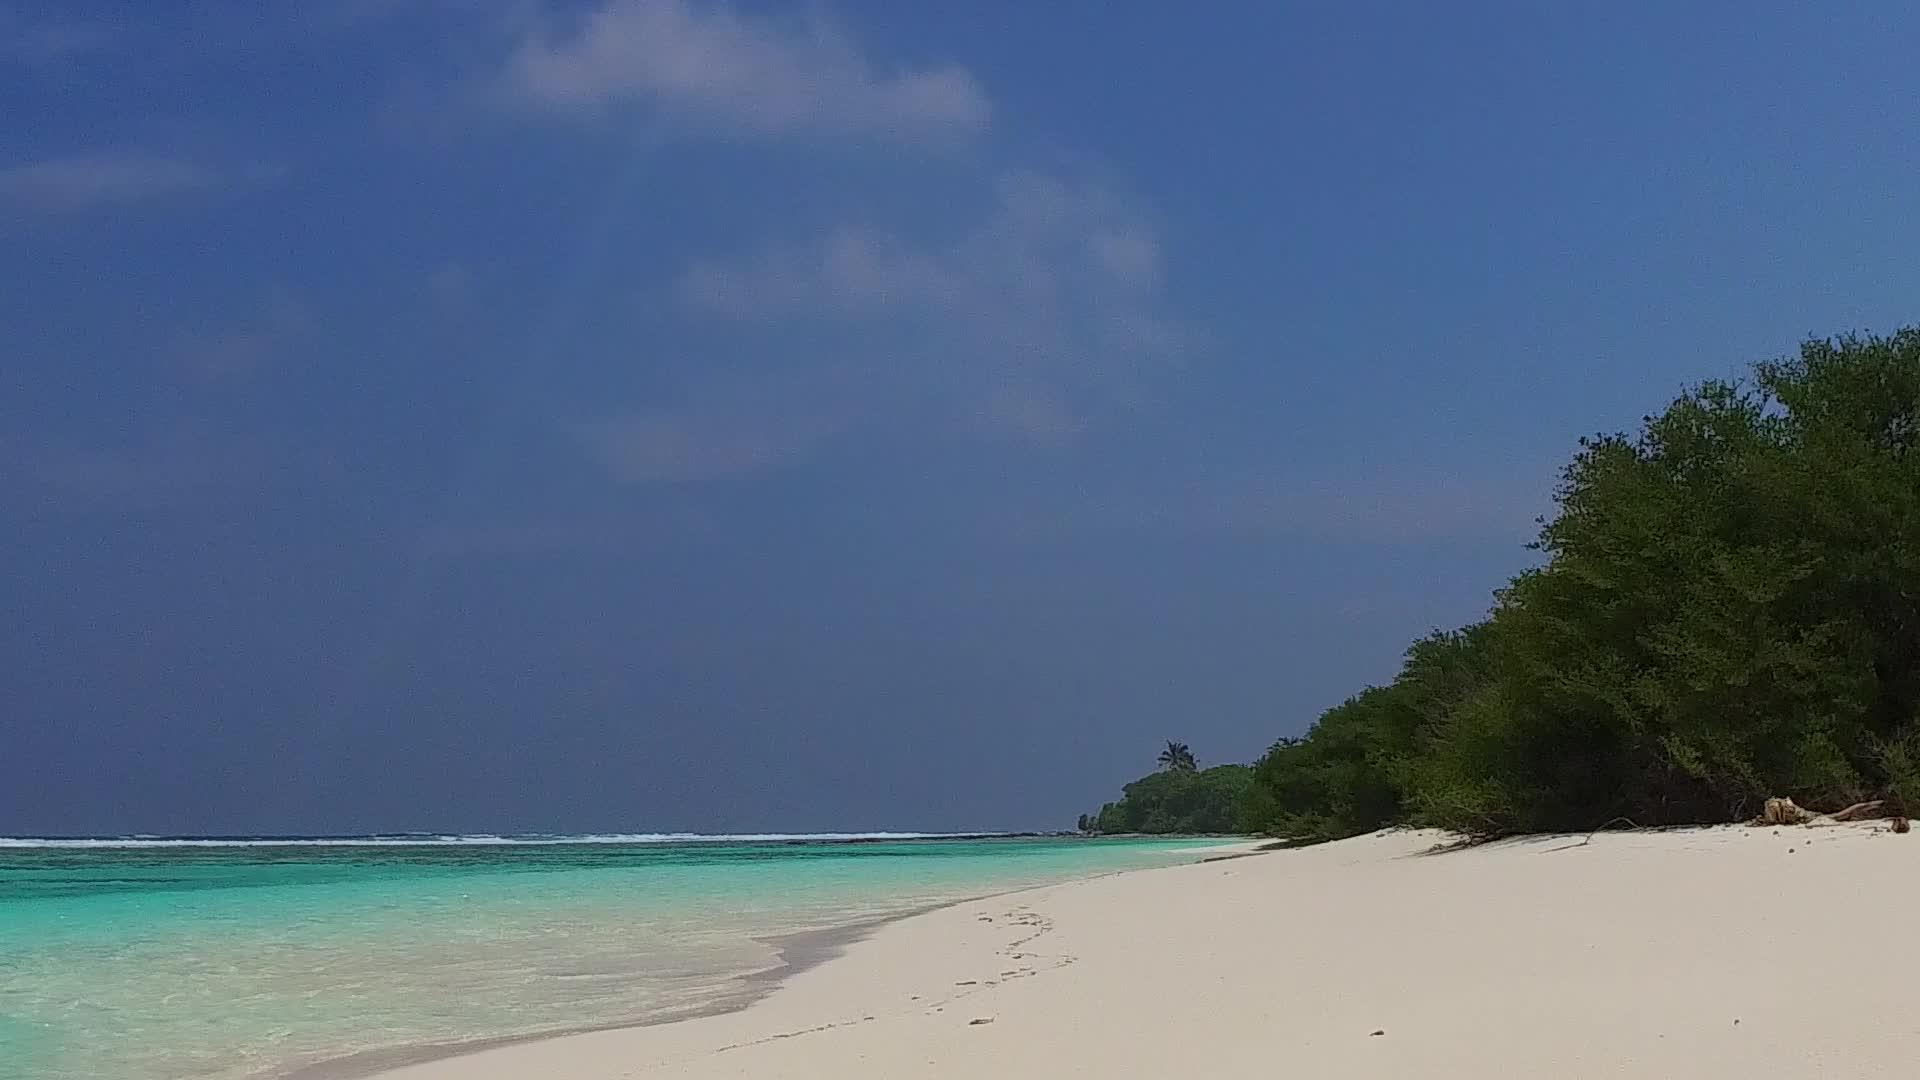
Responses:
[1041,316]
[1128,254]
[1043,243]
[742,73]
[854,270]
[1037,319]
[85,181]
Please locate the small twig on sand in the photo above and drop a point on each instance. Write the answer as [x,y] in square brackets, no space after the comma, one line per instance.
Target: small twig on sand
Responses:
[1605,825]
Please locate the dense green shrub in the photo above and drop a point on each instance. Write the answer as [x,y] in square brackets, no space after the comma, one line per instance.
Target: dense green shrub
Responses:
[1342,779]
[1728,609]
[1179,800]
[1354,770]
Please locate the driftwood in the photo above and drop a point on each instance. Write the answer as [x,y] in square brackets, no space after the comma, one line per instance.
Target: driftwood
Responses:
[1787,812]
[1860,811]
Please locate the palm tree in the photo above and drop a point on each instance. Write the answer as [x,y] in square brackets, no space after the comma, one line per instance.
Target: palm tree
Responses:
[1177,757]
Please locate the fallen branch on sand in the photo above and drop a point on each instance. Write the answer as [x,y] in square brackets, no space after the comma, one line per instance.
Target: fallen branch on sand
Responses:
[1781,811]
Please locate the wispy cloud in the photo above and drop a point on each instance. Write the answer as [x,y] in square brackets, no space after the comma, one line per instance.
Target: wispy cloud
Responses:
[1042,315]
[1036,318]
[92,180]
[722,439]
[738,73]
[1044,242]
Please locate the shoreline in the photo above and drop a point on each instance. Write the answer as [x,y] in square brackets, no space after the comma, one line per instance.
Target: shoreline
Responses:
[1715,953]
[794,954]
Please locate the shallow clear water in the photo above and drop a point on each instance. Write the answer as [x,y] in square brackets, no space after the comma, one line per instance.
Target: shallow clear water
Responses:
[227,961]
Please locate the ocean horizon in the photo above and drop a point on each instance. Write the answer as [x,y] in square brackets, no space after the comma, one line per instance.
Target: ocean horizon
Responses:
[483,839]
[144,957]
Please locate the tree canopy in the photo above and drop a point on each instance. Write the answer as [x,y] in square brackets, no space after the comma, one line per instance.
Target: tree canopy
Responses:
[1728,608]
[1179,800]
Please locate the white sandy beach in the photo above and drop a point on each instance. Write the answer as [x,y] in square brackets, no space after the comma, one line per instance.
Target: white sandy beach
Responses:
[1727,952]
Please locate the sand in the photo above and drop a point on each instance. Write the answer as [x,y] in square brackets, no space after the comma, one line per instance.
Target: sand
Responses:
[1725,952]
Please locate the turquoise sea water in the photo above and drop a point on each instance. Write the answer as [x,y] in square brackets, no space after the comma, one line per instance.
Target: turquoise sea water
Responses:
[231,960]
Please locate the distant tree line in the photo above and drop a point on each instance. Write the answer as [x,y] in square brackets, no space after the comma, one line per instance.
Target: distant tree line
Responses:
[1727,609]
[1180,798]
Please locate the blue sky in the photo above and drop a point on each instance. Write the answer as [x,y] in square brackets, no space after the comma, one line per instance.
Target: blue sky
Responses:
[662,414]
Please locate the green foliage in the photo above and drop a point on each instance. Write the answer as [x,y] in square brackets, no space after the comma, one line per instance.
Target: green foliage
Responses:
[1351,773]
[1179,800]
[1729,608]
